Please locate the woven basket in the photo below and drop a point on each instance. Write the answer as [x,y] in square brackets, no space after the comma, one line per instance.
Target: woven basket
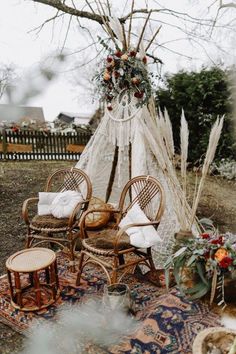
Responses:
[220,337]
[98,219]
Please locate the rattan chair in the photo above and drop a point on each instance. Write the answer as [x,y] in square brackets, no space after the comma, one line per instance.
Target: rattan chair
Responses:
[110,247]
[47,228]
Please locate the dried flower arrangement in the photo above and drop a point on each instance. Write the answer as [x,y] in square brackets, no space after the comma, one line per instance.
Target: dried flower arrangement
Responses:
[211,257]
[124,70]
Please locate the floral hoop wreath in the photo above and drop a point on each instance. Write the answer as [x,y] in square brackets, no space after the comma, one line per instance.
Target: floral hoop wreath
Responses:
[121,103]
[124,71]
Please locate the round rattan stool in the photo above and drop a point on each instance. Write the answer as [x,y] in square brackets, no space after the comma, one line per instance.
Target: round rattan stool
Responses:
[33,279]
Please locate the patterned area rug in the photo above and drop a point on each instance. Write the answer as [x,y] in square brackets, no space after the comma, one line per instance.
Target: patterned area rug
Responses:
[168,323]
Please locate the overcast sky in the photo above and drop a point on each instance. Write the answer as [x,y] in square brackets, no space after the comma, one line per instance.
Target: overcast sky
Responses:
[25,49]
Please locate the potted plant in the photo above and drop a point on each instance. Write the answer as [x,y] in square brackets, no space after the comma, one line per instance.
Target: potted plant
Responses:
[210,260]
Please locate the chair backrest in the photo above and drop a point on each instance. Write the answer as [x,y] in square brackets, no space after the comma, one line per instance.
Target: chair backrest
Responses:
[145,191]
[69,179]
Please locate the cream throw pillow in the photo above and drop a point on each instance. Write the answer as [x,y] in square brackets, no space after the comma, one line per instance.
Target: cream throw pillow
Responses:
[45,202]
[140,236]
[64,203]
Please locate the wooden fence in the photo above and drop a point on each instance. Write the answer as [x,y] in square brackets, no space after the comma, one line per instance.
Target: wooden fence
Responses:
[35,145]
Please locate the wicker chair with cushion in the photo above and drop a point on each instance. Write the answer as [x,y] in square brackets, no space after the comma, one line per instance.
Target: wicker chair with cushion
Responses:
[111,248]
[48,228]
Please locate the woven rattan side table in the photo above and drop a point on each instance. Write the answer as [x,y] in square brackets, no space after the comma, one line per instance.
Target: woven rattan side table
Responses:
[33,279]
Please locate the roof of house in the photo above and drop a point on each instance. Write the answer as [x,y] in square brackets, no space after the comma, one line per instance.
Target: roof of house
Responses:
[76,118]
[12,113]
[65,117]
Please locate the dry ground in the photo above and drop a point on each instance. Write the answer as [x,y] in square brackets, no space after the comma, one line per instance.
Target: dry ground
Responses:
[21,180]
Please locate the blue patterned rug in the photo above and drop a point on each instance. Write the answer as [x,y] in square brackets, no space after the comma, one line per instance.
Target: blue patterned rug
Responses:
[168,322]
[169,325]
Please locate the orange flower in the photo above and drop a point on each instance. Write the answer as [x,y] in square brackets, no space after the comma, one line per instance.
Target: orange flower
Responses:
[106,76]
[220,254]
[124,57]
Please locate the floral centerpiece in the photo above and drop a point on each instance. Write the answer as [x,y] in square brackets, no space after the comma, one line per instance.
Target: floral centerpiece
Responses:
[124,71]
[210,258]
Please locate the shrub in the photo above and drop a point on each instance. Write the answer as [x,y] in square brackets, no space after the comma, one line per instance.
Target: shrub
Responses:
[203,95]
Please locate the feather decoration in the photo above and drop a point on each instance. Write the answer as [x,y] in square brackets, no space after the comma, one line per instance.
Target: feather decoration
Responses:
[212,145]
[130,25]
[184,135]
[116,28]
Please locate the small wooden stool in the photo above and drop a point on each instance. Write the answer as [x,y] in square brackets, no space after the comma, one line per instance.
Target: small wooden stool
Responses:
[41,287]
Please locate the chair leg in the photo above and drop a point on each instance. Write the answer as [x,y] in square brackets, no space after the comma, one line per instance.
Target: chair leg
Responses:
[80,268]
[29,239]
[114,271]
[72,257]
[114,276]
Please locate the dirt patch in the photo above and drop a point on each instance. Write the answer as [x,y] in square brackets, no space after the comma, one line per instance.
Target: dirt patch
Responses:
[21,180]
[18,181]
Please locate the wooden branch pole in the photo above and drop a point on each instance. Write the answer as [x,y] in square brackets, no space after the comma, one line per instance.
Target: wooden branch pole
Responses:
[154,36]
[112,174]
[143,30]
[124,37]
[130,24]
[108,7]
[105,22]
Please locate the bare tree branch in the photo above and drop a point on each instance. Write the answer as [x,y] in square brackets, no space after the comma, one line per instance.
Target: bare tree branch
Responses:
[98,17]
[72,11]
[227,5]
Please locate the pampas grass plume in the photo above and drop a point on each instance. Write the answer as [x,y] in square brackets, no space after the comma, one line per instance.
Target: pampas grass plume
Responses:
[184,135]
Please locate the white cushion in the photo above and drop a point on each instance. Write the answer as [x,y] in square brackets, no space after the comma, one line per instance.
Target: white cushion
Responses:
[64,203]
[45,201]
[140,236]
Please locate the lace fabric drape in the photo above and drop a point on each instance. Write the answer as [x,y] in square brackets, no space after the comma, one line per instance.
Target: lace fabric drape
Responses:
[126,124]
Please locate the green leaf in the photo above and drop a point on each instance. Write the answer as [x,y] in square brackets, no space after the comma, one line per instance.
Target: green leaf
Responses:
[191,260]
[196,288]
[176,271]
[201,271]
[203,291]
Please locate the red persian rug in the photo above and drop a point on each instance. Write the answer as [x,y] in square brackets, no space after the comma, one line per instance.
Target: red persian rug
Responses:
[168,322]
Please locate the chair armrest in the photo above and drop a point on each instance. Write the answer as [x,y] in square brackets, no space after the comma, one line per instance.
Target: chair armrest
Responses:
[90,211]
[123,229]
[25,206]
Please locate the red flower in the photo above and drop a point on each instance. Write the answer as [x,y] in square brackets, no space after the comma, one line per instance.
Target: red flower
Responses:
[145,60]
[133,53]
[138,94]
[109,98]
[109,59]
[207,254]
[218,241]
[226,262]
[118,53]
[116,74]
[205,236]
[109,68]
